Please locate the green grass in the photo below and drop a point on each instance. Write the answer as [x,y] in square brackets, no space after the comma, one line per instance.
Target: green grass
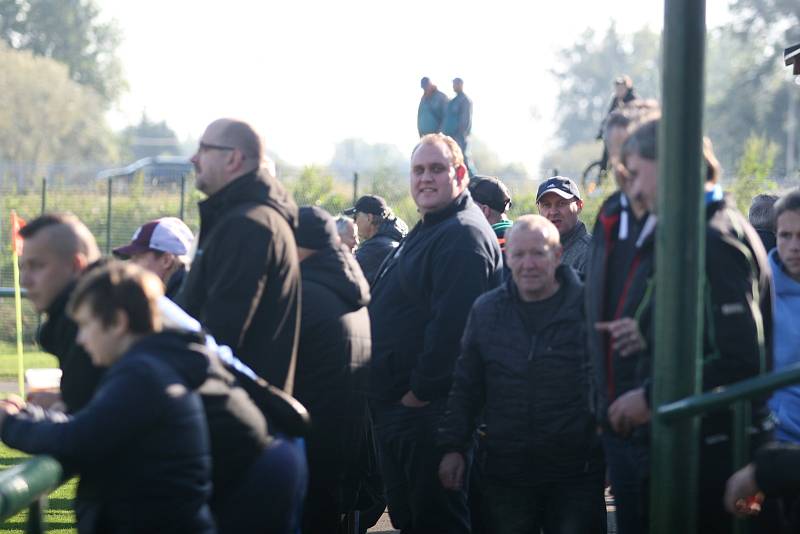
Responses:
[32,360]
[59,516]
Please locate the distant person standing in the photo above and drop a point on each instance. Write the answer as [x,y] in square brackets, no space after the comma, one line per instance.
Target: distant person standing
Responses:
[432,108]
[380,232]
[559,200]
[458,121]
[346,229]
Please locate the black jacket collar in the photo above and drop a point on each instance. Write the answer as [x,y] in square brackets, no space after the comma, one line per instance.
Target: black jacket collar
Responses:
[460,203]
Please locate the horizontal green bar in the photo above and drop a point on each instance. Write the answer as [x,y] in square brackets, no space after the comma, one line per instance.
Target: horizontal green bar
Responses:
[726,395]
[26,482]
[8,292]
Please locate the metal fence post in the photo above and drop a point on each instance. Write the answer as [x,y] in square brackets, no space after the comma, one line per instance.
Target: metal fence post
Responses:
[108,216]
[35,523]
[44,194]
[183,195]
[355,187]
[680,263]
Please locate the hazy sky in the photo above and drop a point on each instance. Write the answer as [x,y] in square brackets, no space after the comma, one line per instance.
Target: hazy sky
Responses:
[311,73]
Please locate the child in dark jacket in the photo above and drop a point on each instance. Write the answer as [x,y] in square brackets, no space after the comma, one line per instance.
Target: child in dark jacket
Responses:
[142,441]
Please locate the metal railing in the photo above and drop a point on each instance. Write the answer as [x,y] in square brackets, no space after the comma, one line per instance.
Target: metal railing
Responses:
[27,485]
[738,397]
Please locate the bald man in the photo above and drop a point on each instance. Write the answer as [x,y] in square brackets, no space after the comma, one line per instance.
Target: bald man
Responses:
[522,366]
[245,277]
[57,248]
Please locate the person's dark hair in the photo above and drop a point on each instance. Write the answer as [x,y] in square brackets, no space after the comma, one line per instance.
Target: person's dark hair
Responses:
[788,202]
[762,213]
[120,286]
[643,141]
[70,235]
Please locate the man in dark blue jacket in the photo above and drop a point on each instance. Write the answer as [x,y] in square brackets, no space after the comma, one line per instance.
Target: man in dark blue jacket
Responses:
[523,366]
[420,301]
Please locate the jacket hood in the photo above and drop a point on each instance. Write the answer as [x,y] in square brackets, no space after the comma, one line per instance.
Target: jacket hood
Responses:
[394,228]
[338,270]
[785,285]
[184,351]
[259,187]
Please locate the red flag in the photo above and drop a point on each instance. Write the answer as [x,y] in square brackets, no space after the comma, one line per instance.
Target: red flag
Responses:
[17,223]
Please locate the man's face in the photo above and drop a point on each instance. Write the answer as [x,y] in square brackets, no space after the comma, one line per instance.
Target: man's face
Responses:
[44,272]
[210,162]
[788,241]
[159,264]
[616,138]
[434,180]
[101,342]
[642,181]
[349,237]
[364,224]
[562,212]
[533,261]
[458,86]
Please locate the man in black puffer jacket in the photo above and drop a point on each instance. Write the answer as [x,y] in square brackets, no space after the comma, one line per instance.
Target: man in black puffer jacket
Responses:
[523,366]
[380,232]
[335,347]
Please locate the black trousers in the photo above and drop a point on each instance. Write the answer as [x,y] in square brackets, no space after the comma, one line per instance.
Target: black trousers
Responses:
[570,506]
[418,504]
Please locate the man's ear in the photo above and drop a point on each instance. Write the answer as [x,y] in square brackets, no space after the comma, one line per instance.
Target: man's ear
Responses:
[121,322]
[461,172]
[79,262]
[580,206]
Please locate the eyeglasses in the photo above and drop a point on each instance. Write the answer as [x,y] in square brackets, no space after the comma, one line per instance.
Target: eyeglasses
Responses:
[202,147]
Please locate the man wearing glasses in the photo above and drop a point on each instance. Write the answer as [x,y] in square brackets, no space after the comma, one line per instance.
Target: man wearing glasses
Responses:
[559,200]
[245,278]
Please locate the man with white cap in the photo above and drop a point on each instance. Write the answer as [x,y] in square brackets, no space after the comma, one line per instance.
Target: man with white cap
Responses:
[559,200]
[162,247]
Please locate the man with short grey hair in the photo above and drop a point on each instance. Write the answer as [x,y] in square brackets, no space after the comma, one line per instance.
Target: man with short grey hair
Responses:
[244,285]
[544,466]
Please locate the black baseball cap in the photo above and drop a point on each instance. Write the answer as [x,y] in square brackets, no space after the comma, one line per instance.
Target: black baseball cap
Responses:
[490,191]
[560,185]
[369,204]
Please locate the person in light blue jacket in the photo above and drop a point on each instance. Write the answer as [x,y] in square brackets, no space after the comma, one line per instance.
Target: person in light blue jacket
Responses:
[785,263]
[432,108]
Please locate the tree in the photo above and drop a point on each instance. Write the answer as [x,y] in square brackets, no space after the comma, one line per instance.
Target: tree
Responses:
[46,118]
[586,78]
[68,31]
[150,138]
[755,167]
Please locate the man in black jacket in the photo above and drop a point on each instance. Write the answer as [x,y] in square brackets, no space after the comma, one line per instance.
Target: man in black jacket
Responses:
[420,301]
[523,365]
[380,232]
[244,285]
[737,313]
[332,358]
[57,249]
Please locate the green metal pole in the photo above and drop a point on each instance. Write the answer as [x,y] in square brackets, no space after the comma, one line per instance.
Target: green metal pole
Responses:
[355,187]
[108,216]
[183,196]
[680,262]
[44,194]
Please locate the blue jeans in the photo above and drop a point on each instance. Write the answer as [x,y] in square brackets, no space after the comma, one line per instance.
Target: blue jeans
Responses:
[628,467]
[418,504]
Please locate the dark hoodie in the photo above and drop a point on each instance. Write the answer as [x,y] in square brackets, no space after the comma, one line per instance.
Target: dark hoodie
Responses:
[244,284]
[371,253]
[335,346]
[57,336]
[141,443]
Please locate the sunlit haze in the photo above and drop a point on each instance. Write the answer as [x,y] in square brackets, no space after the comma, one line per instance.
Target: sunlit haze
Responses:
[309,74]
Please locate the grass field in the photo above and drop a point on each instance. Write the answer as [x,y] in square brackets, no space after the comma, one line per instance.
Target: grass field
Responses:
[60,518]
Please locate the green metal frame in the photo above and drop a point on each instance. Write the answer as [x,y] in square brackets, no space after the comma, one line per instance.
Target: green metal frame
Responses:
[680,262]
[27,485]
